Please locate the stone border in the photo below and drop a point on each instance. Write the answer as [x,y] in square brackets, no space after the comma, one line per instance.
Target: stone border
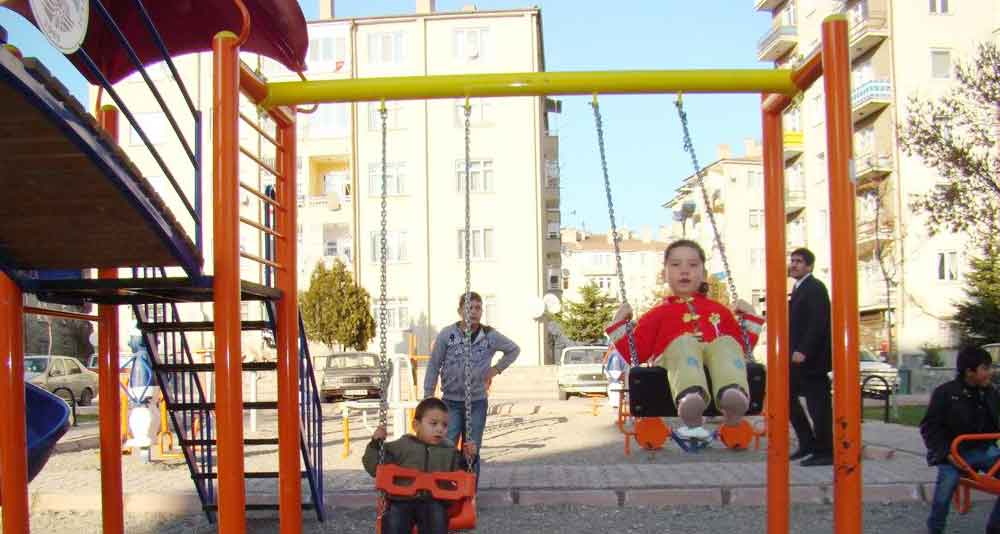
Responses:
[188,504]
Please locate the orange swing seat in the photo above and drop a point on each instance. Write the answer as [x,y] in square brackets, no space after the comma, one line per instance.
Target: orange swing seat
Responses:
[986,482]
[458,487]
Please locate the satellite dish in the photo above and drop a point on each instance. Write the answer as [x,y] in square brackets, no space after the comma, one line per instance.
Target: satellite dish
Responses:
[552,303]
[537,308]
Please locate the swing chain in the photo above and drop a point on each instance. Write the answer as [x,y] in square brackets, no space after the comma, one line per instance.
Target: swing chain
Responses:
[466,311]
[383,407]
[700,174]
[633,355]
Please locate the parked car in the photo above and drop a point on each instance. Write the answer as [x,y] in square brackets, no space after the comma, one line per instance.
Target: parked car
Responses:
[874,366]
[350,375]
[581,371]
[59,374]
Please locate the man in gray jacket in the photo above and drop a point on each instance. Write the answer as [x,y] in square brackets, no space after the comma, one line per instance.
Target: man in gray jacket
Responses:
[448,360]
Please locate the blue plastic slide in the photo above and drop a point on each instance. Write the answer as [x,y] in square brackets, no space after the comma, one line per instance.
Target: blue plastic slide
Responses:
[48,419]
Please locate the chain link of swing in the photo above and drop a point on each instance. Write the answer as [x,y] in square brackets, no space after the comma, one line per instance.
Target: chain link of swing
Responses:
[467,311]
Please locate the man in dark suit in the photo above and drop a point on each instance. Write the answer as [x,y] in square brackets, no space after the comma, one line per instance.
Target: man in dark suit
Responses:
[810,347]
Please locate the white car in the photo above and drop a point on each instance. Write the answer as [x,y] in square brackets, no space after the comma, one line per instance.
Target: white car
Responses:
[581,371]
[871,366]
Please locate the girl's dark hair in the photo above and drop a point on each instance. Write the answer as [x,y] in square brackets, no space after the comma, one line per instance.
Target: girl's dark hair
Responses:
[428,404]
[473,296]
[681,243]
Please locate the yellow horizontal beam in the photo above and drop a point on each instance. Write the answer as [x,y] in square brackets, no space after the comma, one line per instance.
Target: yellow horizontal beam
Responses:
[530,84]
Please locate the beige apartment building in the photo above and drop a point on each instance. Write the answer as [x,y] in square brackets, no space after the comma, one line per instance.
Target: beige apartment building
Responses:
[590,259]
[735,188]
[514,170]
[908,280]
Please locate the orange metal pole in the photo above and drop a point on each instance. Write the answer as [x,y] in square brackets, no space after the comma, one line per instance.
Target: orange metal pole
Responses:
[844,311]
[777,326]
[109,409]
[13,435]
[226,286]
[287,338]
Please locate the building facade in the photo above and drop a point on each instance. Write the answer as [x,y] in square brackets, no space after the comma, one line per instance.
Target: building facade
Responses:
[514,170]
[908,280]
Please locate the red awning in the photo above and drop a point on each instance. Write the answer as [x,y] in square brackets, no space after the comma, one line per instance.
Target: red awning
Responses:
[277,30]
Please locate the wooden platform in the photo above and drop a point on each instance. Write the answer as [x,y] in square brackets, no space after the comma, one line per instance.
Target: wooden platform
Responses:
[69,196]
[140,290]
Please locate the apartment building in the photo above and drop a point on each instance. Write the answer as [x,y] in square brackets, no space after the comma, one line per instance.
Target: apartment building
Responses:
[908,280]
[735,187]
[514,170]
[590,259]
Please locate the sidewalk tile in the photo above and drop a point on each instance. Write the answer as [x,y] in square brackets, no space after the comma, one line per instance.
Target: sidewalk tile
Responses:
[674,497]
[581,497]
[758,496]
[890,493]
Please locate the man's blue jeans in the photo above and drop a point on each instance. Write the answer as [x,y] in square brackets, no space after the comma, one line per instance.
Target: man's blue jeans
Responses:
[947,482]
[456,425]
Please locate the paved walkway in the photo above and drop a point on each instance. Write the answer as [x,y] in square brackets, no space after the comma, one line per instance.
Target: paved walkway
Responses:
[535,452]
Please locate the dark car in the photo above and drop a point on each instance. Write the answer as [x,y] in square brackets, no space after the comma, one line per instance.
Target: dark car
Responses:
[61,375]
[350,376]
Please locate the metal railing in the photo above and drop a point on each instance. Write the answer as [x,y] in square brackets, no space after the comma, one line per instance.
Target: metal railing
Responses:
[169,352]
[872,90]
[775,34]
[192,150]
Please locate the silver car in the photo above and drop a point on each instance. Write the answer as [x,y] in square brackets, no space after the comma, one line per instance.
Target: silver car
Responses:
[581,371]
[62,376]
[350,376]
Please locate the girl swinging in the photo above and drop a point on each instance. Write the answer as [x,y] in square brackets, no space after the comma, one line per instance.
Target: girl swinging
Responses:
[689,332]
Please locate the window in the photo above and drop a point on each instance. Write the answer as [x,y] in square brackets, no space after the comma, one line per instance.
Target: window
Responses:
[397,313]
[756,258]
[864,141]
[331,248]
[480,242]
[788,16]
[72,367]
[470,44]
[757,297]
[947,265]
[392,113]
[862,73]
[940,64]
[939,6]
[330,120]
[756,217]
[395,246]
[327,53]
[244,311]
[385,48]
[553,230]
[489,310]
[154,125]
[793,120]
[480,175]
[395,184]
[479,112]
[755,180]
[338,183]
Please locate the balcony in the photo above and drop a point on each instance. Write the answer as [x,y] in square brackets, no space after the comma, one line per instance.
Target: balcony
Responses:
[766,5]
[778,42]
[867,235]
[871,292]
[867,32]
[870,167]
[793,143]
[870,97]
[795,200]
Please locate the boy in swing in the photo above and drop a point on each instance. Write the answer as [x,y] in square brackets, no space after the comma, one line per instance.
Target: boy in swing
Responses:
[688,332]
[428,450]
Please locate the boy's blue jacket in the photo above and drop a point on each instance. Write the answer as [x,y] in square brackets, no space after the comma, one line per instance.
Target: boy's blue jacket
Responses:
[955,409]
[448,361]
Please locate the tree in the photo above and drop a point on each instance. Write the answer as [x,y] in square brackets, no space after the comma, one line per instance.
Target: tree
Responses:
[956,135]
[977,317]
[335,310]
[584,321]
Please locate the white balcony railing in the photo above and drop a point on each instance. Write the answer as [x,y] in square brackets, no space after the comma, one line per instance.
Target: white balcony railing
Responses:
[871,91]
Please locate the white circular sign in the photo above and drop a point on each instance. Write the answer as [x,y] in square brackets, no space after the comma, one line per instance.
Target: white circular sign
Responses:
[64,22]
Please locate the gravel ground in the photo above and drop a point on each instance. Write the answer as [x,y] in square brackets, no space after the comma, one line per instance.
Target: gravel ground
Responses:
[813,519]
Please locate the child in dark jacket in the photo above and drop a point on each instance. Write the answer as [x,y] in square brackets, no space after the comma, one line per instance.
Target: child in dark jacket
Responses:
[427,450]
[967,405]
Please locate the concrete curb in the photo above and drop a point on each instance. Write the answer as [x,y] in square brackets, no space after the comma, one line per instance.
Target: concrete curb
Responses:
[79,443]
[188,503]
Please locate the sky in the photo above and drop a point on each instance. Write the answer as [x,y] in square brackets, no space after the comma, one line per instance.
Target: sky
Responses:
[646,160]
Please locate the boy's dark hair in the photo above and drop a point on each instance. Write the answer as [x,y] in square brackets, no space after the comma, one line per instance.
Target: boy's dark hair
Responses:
[682,243]
[806,255]
[428,404]
[473,296]
[970,358]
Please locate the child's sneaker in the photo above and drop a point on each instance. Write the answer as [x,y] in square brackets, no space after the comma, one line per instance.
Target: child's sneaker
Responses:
[697,433]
